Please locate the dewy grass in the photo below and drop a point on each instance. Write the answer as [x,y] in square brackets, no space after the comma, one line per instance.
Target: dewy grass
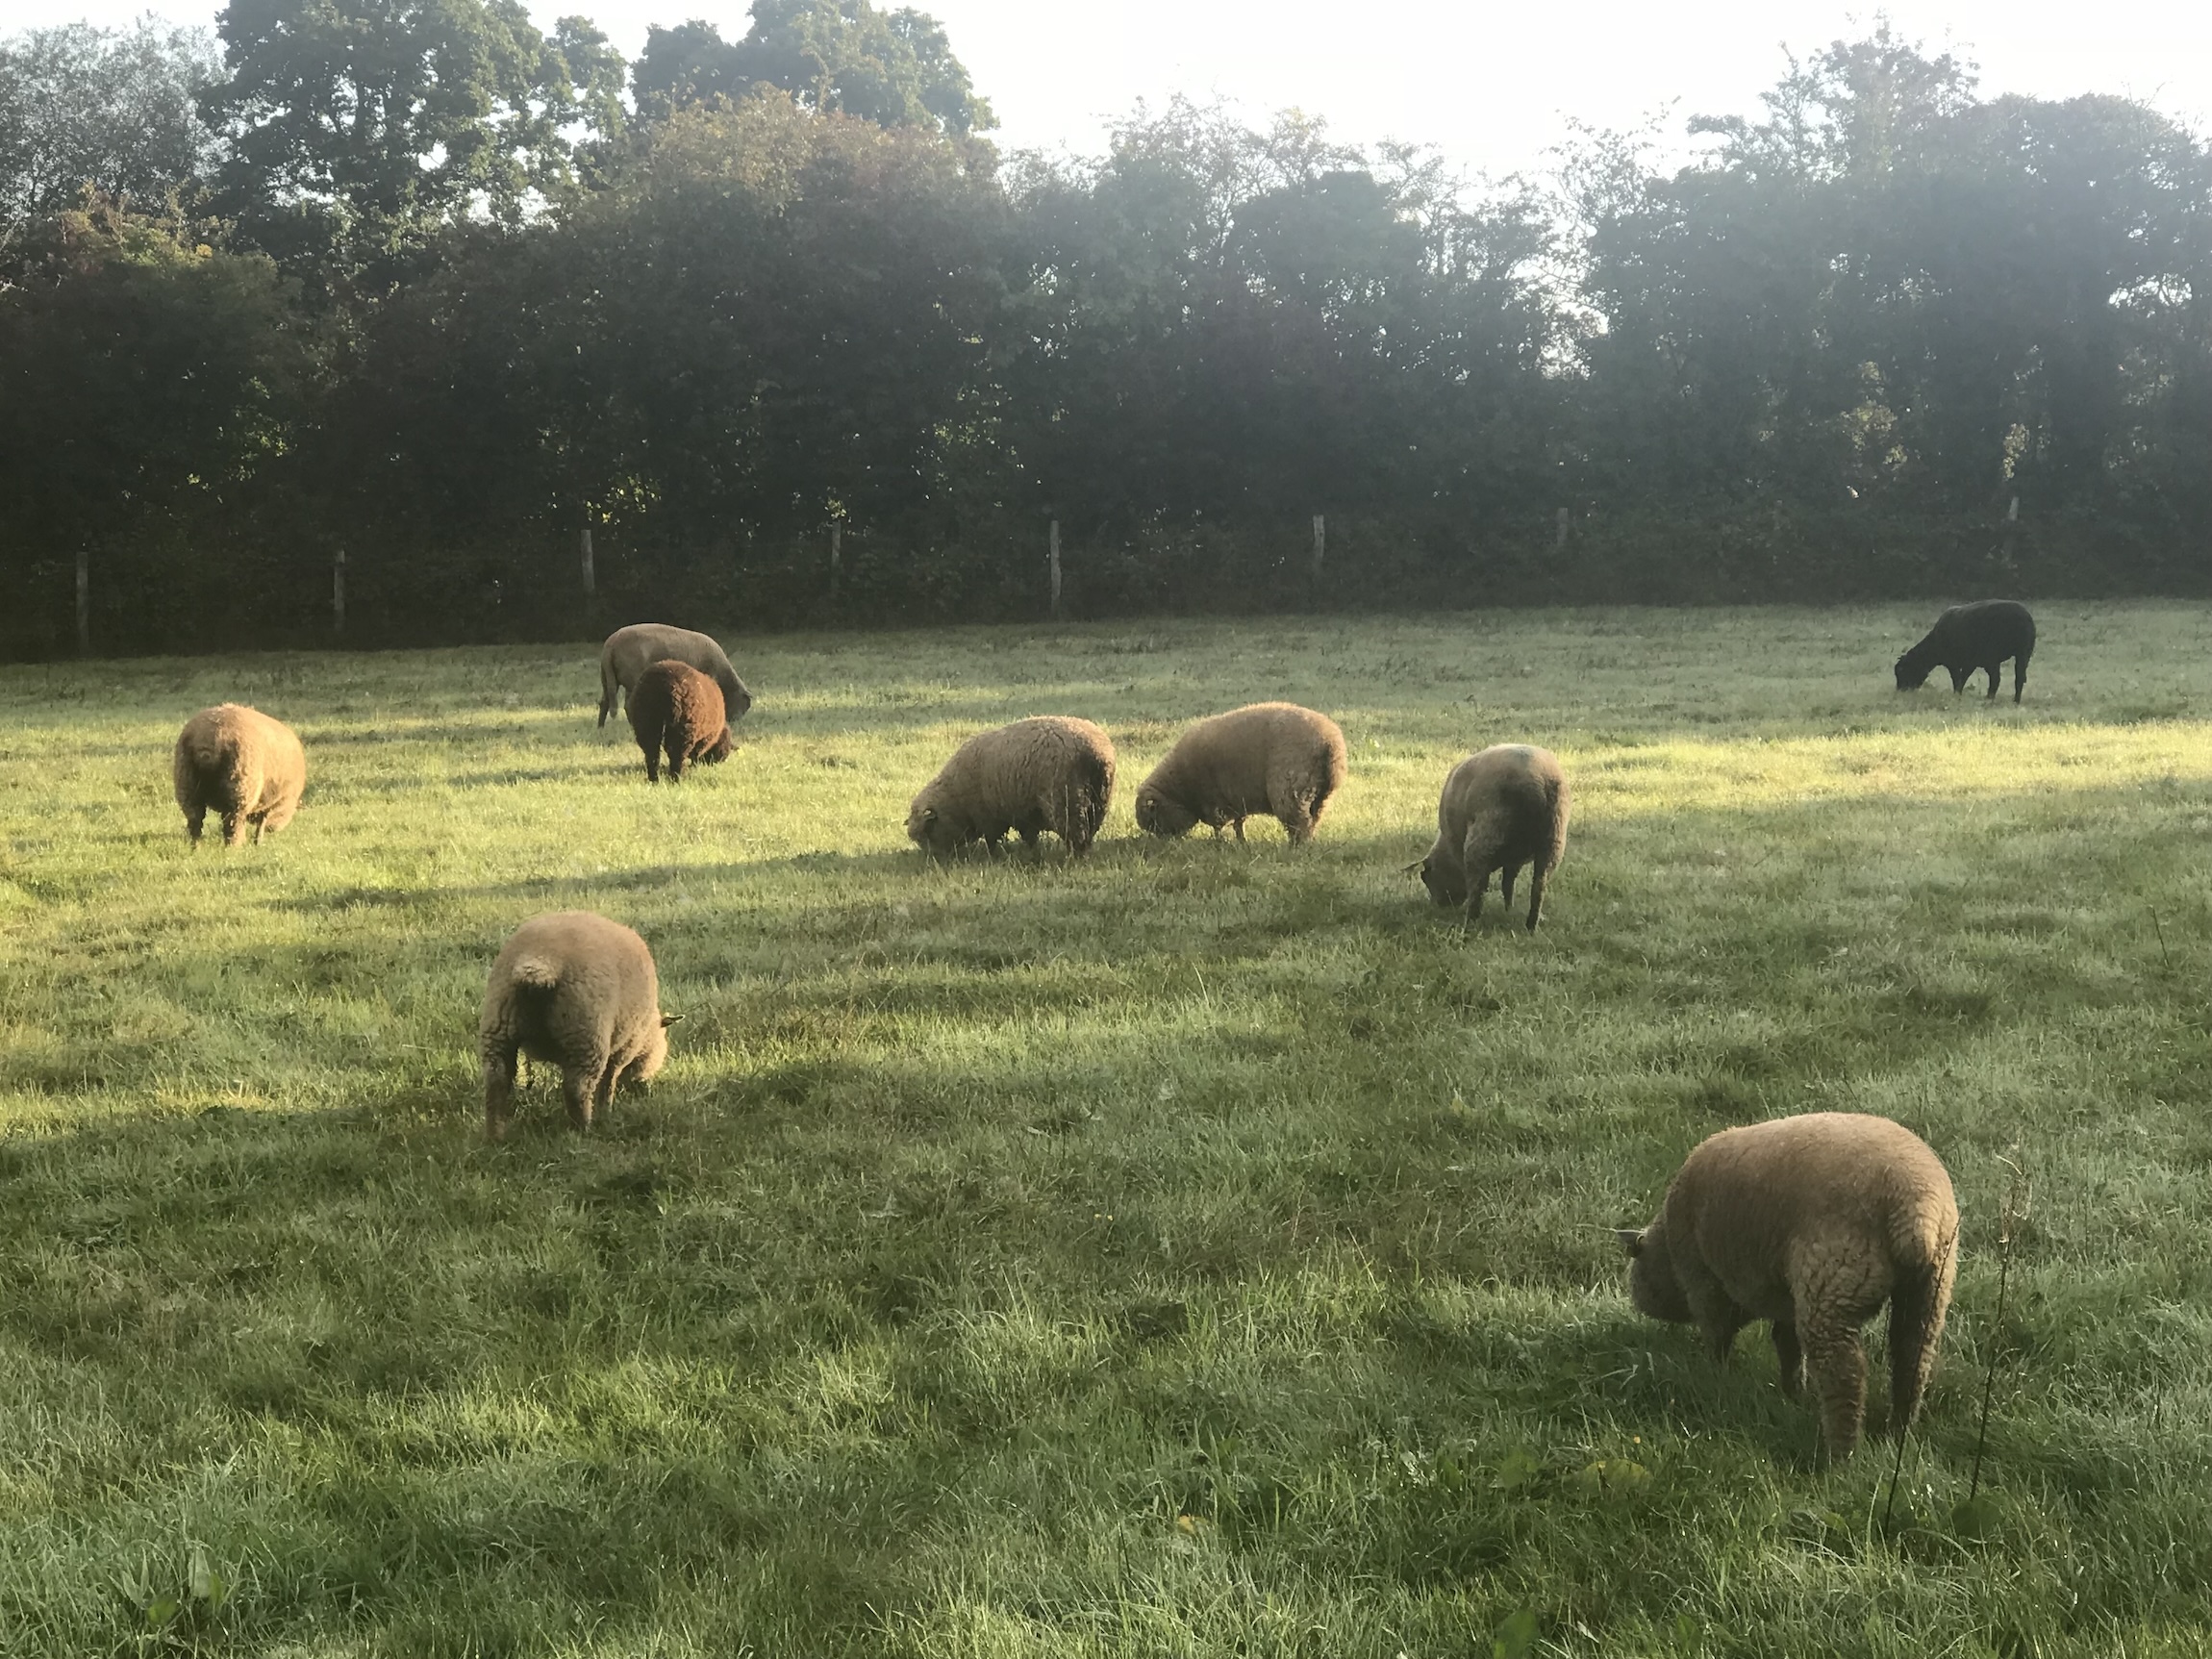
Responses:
[1199,1249]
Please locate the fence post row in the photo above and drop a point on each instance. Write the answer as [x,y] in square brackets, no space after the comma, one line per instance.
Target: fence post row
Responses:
[1320,541]
[583,545]
[1056,616]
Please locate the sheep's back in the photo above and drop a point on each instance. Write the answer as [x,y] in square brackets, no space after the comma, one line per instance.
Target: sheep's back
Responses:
[1750,1196]
[603,989]
[238,758]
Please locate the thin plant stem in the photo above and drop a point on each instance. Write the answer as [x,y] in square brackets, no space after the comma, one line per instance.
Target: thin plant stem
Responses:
[2015,1210]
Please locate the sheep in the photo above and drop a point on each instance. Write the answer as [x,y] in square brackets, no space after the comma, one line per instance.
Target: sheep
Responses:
[1273,758]
[1502,809]
[676,708]
[630,651]
[250,768]
[1049,773]
[579,991]
[1812,1222]
[1964,638]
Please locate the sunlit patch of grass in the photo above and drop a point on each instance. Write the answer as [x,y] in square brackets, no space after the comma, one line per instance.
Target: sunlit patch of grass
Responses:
[1196,1248]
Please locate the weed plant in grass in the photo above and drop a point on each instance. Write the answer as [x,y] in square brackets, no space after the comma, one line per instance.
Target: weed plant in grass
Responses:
[1194,1249]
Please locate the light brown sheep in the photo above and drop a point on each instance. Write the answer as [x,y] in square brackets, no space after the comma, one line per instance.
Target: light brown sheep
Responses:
[1049,773]
[247,768]
[1503,809]
[630,651]
[578,991]
[676,709]
[1272,758]
[1812,1222]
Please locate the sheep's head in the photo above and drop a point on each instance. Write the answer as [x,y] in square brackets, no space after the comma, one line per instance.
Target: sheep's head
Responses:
[1157,815]
[1446,884]
[930,830]
[719,750]
[1912,673]
[736,699]
[1652,1286]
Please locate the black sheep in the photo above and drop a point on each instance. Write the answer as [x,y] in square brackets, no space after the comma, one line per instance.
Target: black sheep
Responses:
[1981,636]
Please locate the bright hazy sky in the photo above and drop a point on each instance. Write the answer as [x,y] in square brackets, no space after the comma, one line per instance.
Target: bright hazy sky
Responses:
[1491,85]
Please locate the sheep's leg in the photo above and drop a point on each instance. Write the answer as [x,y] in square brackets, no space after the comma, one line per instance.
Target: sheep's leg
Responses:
[260,821]
[2019,674]
[195,818]
[1477,884]
[1536,874]
[1237,823]
[234,830]
[652,749]
[578,1084]
[1836,1364]
[1029,844]
[1506,877]
[607,1080]
[498,1091]
[1996,672]
[1791,1358]
[1958,679]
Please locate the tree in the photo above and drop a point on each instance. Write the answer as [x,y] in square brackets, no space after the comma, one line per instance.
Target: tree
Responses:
[364,123]
[110,109]
[895,69]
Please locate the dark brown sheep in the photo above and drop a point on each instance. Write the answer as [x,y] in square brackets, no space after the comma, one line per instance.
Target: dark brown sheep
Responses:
[1966,638]
[675,709]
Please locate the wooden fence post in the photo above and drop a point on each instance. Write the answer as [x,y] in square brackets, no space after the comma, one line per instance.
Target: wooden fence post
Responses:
[1563,522]
[338,592]
[584,547]
[1321,543]
[1056,570]
[84,602]
[837,557]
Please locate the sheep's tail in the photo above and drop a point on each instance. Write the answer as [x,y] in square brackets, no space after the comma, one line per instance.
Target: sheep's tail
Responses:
[1919,1303]
[534,975]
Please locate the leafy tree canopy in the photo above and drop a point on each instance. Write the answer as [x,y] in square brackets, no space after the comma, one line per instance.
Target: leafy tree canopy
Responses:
[895,69]
[112,109]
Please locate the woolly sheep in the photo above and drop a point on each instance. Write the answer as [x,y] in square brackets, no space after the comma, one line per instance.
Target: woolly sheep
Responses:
[248,767]
[1049,773]
[675,708]
[1502,809]
[630,651]
[1272,758]
[1964,638]
[579,991]
[1812,1222]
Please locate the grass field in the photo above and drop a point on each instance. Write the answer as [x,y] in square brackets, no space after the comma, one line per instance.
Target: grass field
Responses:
[1203,1250]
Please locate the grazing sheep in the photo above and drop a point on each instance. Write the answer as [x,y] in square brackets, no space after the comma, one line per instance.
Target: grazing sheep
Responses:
[245,765]
[630,651]
[1502,809]
[1049,773]
[675,708]
[1964,638]
[1812,1222]
[1273,758]
[578,991]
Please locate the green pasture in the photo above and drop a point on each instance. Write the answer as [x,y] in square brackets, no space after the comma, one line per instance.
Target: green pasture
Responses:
[1200,1249]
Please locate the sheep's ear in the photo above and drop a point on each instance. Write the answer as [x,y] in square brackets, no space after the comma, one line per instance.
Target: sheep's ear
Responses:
[668,1019]
[929,815]
[1419,864]
[1631,1240]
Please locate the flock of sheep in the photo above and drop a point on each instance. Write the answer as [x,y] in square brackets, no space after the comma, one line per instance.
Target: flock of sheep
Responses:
[1813,1222]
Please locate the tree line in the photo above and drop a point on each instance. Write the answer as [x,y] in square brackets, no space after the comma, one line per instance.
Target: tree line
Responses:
[416,321]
